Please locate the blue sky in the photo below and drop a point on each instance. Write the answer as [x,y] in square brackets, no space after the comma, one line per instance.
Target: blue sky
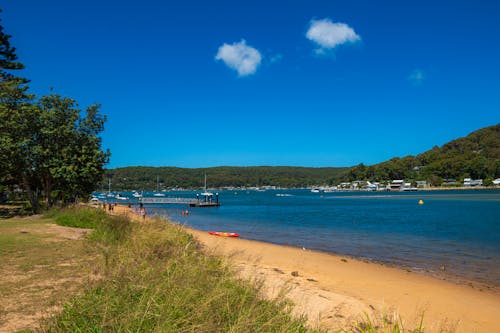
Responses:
[306,83]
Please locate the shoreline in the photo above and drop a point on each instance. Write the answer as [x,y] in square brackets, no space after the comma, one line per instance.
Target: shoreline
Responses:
[334,290]
[337,289]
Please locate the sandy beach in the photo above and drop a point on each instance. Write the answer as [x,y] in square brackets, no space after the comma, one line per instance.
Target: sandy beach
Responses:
[332,290]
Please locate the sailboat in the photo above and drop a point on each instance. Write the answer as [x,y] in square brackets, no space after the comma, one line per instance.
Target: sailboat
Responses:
[205,198]
[158,194]
[109,195]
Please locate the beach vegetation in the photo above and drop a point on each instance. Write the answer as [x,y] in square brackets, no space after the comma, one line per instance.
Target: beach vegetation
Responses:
[157,278]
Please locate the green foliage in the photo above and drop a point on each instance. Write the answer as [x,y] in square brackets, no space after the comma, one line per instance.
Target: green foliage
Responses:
[69,154]
[107,229]
[47,146]
[171,177]
[393,323]
[158,280]
[476,155]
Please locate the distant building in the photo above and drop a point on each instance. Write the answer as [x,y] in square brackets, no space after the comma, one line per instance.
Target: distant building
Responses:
[371,186]
[396,185]
[449,182]
[422,184]
[473,182]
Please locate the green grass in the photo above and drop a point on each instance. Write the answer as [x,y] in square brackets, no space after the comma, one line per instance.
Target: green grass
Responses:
[157,279]
[38,270]
[108,230]
[154,277]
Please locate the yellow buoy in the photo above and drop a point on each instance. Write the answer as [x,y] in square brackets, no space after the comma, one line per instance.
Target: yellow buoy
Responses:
[420,202]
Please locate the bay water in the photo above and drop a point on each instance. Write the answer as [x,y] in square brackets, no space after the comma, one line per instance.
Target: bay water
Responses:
[455,234]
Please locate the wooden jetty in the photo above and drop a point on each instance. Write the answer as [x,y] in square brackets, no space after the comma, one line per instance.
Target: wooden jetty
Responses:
[204,204]
[205,201]
[168,200]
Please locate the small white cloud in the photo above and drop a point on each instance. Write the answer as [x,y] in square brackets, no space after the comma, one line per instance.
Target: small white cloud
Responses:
[239,56]
[417,77]
[328,35]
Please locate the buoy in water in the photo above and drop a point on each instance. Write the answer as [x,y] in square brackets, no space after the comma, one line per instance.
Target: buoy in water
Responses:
[420,202]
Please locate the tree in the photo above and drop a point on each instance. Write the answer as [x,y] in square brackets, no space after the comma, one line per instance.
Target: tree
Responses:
[47,147]
[18,123]
[70,160]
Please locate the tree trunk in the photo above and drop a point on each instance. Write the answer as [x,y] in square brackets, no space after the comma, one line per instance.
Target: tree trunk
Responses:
[48,192]
[31,195]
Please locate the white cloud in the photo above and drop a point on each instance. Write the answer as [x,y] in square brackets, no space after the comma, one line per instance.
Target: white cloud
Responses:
[328,35]
[417,77]
[239,56]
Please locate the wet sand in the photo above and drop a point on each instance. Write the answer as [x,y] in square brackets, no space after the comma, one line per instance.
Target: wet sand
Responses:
[332,290]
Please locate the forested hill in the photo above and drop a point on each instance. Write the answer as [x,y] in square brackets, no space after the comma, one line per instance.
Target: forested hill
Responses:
[145,178]
[474,156]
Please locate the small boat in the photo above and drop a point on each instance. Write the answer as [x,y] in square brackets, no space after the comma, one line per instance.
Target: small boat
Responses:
[136,195]
[205,199]
[119,197]
[159,195]
[224,234]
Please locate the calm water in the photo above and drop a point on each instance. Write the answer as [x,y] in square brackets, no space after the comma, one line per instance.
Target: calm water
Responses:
[460,229]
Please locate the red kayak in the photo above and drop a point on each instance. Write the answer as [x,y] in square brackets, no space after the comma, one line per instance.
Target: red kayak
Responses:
[224,234]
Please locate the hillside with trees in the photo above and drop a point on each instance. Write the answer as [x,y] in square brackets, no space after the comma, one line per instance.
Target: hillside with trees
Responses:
[50,149]
[475,156]
[145,178]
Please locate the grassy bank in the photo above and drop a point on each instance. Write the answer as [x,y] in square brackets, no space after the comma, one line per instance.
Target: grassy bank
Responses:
[156,279]
[41,264]
[125,276]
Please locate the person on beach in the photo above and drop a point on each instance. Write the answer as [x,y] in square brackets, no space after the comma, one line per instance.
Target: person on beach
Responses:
[142,211]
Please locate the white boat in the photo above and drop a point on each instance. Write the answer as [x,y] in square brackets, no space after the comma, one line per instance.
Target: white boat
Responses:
[205,198]
[315,190]
[136,195]
[119,197]
[157,193]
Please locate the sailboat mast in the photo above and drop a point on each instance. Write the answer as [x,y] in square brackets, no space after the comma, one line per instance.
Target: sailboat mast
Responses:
[205,182]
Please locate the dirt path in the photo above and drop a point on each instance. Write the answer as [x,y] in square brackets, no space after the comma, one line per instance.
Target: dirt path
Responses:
[43,264]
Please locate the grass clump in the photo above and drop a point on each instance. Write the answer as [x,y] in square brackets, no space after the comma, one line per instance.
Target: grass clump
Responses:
[383,323]
[108,229]
[157,279]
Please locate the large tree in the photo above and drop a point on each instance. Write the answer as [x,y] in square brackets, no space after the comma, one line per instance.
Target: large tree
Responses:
[69,158]
[48,147]
[18,123]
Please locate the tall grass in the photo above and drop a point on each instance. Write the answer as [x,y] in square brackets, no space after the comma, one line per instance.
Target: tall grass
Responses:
[157,279]
[108,230]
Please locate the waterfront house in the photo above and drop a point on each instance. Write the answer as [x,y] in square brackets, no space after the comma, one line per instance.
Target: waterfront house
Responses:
[396,185]
[449,182]
[422,184]
[473,182]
